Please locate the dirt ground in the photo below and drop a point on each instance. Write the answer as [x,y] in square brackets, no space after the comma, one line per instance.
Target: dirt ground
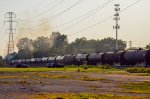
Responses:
[21,85]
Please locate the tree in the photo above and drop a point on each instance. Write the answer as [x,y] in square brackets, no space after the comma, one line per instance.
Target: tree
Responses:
[1,58]
[83,45]
[108,44]
[59,45]
[42,46]
[25,48]
[79,45]
[148,46]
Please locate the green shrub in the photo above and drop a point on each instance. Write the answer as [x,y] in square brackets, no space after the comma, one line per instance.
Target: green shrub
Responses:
[105,67]
[2,64]
[71,66]
[148,70]
[86,66]
[138,70]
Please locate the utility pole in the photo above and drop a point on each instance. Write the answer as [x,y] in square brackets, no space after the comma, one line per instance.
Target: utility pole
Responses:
[116,26]
[4,54]
[130,44]
[10,16]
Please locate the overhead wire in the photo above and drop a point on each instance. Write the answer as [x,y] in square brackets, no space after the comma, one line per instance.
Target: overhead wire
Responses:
[75,4]
[77,18]
[78,22]
[89,27]
[58,14]
[56,5]
[40,4]
[4,35]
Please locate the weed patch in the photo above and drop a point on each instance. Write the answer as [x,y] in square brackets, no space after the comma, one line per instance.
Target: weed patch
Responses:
[86,78]
[52,76]
[82,96]
[138,70]
[143,87]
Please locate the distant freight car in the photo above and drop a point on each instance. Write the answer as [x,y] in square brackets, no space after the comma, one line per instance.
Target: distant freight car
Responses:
[122,58]
[95,58]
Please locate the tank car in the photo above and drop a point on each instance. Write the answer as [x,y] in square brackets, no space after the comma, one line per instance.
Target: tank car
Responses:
[23,61]
[119,58]
[108,58]
[69,59]
[51,62]
[44,59]
[19,61]
[15,61]
[147,57]
[142,57]
[59,60]
[38,60]
[81,59]
[51,59]
[137,57]
[28,61]
[129,58]
[33,61]
[95,58]
[12,62]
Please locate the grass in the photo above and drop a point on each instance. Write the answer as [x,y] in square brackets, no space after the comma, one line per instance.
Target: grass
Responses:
[86,78]
[143,74]
[82,96]
[2,64]
[52,76]
[71,73]
[95,70]
[138,70]
[4,77]
[29,69]
[143,87]
[16,82]
[36,76]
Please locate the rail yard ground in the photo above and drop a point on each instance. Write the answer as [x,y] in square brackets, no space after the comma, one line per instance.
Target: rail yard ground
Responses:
[62,83]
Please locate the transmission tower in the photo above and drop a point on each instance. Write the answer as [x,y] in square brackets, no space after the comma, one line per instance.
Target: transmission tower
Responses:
[10,16]
[116,26]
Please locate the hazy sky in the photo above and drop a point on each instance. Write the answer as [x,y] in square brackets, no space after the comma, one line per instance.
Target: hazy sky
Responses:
[70,17]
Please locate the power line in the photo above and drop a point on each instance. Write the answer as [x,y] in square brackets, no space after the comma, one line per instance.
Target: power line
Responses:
[77,18]
[59,14]
[43,12]
[75,4]
[40,4]
[89,27]
[78,22]
[130,5]
[4,35]
[2,31]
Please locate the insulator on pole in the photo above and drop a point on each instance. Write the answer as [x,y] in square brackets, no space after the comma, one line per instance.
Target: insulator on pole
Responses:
[116,26]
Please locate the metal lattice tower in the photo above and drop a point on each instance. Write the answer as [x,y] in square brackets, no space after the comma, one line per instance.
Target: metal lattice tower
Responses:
[116,27]
[10,16]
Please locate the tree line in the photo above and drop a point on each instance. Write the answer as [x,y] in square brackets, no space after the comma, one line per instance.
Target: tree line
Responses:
[58,44]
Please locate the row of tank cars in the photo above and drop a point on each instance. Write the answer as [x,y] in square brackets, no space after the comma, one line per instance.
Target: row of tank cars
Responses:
[121,58]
